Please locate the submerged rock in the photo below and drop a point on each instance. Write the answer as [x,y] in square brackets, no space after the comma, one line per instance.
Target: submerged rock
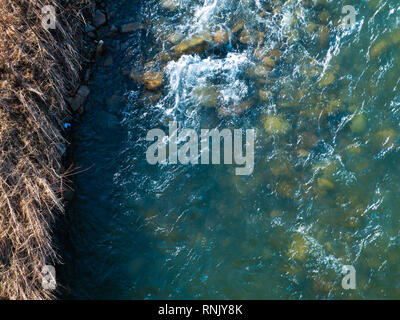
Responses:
[268,61]
[327,79]
[113,31]
[242,106]
[328,167]
[286,189]
[151,96]
[99,18]
[197,44]
[324,16]
[378,49]
[170,4]
[324,183]
[323,36]
[221,36]
[302,153]
[238,26]
[80,98]
[358,124]
[260,53]
[354,148]
[175,37]
[236,109]
[100,49]
[275,54]
[152,79]
[131,27]
[385,137]
[280,168]
[275,125]
[275,213]
[299,248]
[134,74]
[245,36]
[333,106]
[311,27]
[262,70]
[206,96]
[260,36]
[265,95]
[108,61]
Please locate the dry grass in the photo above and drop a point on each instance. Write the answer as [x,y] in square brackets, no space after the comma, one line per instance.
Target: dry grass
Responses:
[37,70]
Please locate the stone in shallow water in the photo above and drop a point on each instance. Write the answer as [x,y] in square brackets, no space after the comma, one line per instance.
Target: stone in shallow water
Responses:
[324,16]
[238,26]
[327,79]
[260,36]
[135,75]
[358,124]
[275,54]
[265,95]
[262,70]
[292,36]
[280,168]
[197,44]
[311,27]
[385,137]
[241,107]
[236,109]
[328,167]
[286,189]
[299,248]
[245,37]
[99,18]
[175,37]
[221,36]
[275,125]
[260,53]
[170,4]
[269,62]
[323,36]
[302,153]
[80,98]
[378,49]
[325,184]
[151,96]
[131,27]
[333,106]
[206,96]
[108,61]
[152,79]
[354,148]
[395,37]
[275,213]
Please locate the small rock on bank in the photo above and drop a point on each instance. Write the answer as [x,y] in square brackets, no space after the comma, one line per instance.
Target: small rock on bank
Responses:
[99,18]
[80,98]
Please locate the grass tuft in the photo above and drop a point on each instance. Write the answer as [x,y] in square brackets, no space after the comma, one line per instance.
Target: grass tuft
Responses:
[38,68]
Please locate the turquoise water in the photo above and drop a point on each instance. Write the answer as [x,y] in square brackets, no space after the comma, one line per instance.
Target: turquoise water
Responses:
[324,191]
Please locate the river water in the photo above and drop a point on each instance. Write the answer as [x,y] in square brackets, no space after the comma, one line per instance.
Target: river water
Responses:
[324,101]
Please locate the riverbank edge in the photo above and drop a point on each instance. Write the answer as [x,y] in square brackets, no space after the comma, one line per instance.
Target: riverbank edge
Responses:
[43,71]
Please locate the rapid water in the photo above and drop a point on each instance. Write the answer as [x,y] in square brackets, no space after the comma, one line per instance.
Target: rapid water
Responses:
[324,191]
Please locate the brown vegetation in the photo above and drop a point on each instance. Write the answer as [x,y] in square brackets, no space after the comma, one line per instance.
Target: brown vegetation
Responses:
[37,70]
